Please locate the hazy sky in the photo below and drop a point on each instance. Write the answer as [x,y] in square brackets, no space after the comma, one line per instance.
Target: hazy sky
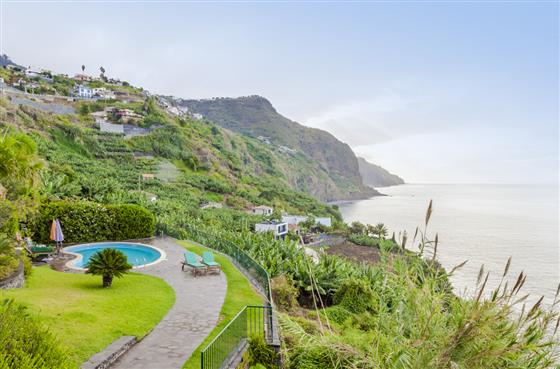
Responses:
[435,92]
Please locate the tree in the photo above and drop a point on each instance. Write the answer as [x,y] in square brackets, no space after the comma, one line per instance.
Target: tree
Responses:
[83,68]
[102,75]
[380,231]
[357,228]
[109,263]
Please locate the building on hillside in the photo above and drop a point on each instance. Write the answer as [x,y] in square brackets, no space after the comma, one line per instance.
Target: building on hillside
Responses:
[147,176]
[279,229]
[262,210]
[296,219]
[82,92]
[197,116]
[83,78]
[126,115]
[264,139]
[104,93]
[286,150]
[32,72]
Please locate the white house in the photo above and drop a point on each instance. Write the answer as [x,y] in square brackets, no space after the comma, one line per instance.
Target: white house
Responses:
[82,92]
[104,93]
[296,219]
[279,229]
[197,116]
[262,210]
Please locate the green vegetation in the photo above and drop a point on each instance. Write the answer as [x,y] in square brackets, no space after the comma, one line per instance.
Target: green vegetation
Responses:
[239,293]
[86,317]
[87,221]
[41,350]
[322,165]
[398,313]
[108,263]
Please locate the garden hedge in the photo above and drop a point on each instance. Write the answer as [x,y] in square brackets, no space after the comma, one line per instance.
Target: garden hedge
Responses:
[84,221]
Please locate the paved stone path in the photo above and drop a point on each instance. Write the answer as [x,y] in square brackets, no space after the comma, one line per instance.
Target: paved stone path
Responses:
[195,313]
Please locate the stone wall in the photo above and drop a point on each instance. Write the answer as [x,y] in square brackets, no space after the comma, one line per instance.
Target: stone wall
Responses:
[110,354]
[16,280]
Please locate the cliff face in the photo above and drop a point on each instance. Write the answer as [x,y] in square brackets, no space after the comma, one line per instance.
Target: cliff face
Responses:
[255,116]
[375,176]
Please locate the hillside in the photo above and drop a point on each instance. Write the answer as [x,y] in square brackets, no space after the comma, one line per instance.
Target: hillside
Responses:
[375,176]
[181,162]
[255,116]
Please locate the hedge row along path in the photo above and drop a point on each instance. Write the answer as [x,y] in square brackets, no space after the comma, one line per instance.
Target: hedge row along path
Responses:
[194,315]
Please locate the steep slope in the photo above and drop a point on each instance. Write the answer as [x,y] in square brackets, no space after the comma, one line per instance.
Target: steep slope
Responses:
[376,176]
[256,117]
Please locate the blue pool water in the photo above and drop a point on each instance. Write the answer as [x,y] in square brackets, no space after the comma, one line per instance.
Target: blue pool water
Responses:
[137,254]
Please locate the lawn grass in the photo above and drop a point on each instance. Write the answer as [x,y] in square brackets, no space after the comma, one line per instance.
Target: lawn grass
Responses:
[86,317]
[240,292]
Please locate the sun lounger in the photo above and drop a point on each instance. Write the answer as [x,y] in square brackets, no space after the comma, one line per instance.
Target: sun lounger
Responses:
[34,250]
[192,262]
[208,260]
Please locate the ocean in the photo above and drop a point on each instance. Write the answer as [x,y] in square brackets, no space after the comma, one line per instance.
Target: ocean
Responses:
[484,224]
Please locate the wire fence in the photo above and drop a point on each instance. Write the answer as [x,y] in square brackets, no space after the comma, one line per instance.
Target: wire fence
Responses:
[252,319]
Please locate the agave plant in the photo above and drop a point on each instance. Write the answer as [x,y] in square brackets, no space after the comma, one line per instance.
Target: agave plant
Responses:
[109,263]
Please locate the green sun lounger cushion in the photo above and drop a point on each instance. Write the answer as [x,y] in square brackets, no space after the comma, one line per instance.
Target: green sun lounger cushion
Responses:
[208,259]
[191,260]
[40,249]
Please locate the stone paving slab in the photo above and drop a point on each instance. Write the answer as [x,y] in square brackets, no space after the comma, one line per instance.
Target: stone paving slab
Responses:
[193,316]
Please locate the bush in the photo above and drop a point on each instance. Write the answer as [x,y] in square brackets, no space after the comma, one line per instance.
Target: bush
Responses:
[355,295]
[84,221]
[337,314]
[25,344]
[8,259]
[261,353]
[284,293]
[132,221]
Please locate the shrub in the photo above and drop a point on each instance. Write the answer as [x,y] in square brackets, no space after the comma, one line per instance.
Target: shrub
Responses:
[261,353]
[132,221]
[284,293]
[8,260]
[25,344]
[84,221]
[337,314]
[355,295]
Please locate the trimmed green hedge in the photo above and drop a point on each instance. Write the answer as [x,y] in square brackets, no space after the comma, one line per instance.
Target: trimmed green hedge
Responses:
[84,221]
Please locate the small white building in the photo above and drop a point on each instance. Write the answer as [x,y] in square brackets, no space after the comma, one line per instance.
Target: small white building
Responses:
[104,93]
[197,116]
[262,210]
[82,92]
[296,219]
[279,229]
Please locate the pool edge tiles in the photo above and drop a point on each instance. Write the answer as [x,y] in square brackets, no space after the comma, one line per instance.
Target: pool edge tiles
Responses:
[71,264]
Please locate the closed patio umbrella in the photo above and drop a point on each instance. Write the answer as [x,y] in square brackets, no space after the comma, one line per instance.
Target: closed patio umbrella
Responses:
[56,234]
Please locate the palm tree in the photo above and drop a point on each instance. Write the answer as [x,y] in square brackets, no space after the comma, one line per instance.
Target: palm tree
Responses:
[380,230]
[109,263]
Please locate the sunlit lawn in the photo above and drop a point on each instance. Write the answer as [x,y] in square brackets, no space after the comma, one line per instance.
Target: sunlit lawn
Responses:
[87,317]
[240,292]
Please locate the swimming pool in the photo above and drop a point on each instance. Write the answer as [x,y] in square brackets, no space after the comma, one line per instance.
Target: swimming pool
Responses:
[137,254]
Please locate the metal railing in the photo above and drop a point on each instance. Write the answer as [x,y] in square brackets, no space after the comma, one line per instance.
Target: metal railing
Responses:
[232,336]
[249,322]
